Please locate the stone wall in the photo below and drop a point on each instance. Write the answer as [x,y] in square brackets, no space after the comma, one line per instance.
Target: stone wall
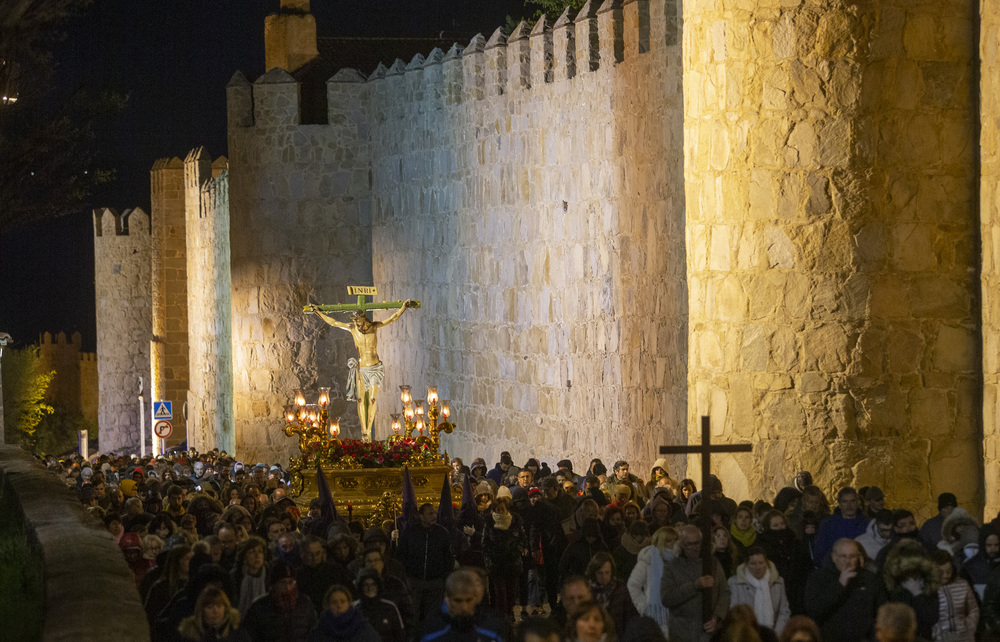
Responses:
[989,213]
[830,181]
[210,392]
[529,194]
[169,348]
[90,593]
[89,399]
[74,388]
[122,251]
[300,232]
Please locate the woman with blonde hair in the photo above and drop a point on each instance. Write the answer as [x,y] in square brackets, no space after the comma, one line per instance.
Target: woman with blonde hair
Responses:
[214,619]
[644,581]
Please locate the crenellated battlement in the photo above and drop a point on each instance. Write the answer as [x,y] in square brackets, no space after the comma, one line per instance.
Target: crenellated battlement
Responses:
[600,35]
[108,223]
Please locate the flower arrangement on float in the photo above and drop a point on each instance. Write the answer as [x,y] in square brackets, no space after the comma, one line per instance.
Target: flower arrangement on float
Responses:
[355,453]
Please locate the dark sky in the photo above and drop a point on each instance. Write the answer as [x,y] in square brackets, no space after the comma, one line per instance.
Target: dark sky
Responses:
[174,58]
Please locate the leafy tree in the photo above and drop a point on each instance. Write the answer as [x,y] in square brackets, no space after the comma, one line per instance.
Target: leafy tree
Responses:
[57,433]
[552,9]
[24,386]
[49,163]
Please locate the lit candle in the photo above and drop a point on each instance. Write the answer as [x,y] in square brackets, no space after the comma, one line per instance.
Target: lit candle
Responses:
[290,413]
[324,397]
[404,395]
[395,423]
[432,395]
[420,407]
[445,410]
[420,426]
[408,412]
[335,427]
[300,399]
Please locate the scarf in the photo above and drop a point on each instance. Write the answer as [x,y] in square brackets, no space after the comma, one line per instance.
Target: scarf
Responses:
[502,522]
[341,627]
[747,537]
[250,589]
[633,546]
[762,606]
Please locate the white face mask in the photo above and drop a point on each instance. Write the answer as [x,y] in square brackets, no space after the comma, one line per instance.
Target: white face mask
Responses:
[970,550]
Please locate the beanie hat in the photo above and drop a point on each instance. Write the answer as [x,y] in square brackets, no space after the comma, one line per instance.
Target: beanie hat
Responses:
[503,493]
[366,573]
[565,463]
[947,499]
[535,492]
[375,535]
[484,489]
[505,459]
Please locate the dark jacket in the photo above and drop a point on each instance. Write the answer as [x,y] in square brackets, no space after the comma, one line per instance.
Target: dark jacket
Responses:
[504,549]
[441,627]
[843,613]
[426,552]
[350,626]
[836,527]
[574,561]
[315,580]
[267,623]
[384,617]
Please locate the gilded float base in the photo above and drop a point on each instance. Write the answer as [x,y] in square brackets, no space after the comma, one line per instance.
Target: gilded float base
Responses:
[374,494]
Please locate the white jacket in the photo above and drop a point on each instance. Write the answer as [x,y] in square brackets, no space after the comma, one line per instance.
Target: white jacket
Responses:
[644,585]
[741,591]
[871,541]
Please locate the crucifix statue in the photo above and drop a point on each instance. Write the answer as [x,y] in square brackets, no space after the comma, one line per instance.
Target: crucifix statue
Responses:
[705,450]
[366,372]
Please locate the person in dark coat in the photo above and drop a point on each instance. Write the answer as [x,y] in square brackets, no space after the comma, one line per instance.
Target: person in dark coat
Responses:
[284,614]
[912,578]
[609,591]
[214,620]
[458,619]
[627,553]
[317,574]
[847,521]
[504,546]
[547,537]
[577,556]
[341,621]
[789,556]
[842,596]
[381,613]
[392,588]
[425,551]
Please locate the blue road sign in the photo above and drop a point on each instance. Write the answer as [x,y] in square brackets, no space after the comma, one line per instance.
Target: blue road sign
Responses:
[163,410]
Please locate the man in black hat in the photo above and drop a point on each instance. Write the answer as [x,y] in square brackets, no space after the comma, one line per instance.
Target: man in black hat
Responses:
[930,532]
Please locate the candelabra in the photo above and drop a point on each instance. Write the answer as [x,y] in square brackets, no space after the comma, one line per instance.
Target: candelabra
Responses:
[414,422]
[312,422]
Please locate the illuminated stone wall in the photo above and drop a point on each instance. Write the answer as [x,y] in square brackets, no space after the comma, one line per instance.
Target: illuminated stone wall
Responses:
[300,233]
[530,194]
[209,313]
[169,347]
[831,187]
[122,260]
[989,74]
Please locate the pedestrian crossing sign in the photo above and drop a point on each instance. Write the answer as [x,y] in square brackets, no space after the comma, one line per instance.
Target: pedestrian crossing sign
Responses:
[163,410]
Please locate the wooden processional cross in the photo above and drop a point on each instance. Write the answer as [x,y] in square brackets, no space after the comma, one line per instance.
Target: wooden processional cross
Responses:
[705,450]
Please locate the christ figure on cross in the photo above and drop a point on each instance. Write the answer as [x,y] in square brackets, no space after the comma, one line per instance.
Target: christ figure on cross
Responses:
[366,372]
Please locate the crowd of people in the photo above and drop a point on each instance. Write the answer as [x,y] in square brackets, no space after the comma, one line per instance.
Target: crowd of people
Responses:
[221,552]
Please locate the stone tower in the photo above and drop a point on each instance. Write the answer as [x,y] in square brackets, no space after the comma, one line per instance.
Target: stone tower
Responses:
[169,347]
[209,306]
[122,252]
[831,228]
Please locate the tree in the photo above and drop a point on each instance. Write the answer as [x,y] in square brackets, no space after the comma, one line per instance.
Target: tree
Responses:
[49,165]
[58,432]
[24,386]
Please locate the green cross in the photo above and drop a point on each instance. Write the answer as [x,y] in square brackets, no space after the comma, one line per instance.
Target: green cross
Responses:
[362,304]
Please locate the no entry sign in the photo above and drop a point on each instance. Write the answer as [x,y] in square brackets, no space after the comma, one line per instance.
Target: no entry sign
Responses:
[162,429]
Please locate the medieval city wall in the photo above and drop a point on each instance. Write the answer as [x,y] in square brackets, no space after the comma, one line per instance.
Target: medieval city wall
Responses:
[529,193]
[989,212]
[169,347]
[122,260]
[74,387]
[300,233]
[209,304]
[832,243]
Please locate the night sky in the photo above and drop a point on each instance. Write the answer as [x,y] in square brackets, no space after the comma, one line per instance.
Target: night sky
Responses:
[174,59]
